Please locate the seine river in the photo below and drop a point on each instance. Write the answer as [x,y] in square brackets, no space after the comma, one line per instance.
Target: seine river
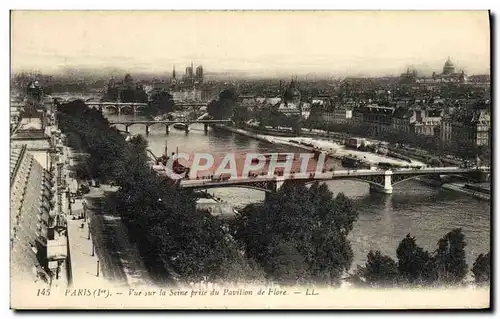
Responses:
[384,220]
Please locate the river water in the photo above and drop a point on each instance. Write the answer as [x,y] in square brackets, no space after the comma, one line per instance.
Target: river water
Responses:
[425,212]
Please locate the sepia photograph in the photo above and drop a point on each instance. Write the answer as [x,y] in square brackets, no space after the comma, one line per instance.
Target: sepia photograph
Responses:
[250,159]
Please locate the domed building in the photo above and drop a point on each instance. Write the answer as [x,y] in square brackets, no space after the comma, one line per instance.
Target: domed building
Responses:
[449,75]
[449,67]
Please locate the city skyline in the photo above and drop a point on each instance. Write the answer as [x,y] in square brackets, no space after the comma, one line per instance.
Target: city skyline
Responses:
[266,43]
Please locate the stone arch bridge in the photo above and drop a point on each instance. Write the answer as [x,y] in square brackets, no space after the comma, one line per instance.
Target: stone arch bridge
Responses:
[116,107]
[94,101]
[167,124]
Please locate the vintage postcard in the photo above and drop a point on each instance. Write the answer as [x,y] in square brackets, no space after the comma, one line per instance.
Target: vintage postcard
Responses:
[250,160]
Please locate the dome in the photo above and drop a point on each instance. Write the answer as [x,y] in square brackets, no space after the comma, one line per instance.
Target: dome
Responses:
[448,67]
[448,63]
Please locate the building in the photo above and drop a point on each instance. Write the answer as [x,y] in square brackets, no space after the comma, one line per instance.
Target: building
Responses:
[474,128]
[427,125]
[192,76]
[340,115]
[410,76]
[199,74]
[16,108]
[426,120]
[29,219]
[31,132]
[186,95]
[39,203]
[376,118]
[189,71]
[402,120]
[38,237]
[449,75]
[445,128]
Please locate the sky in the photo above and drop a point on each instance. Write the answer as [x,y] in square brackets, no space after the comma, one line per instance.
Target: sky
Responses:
[256,42]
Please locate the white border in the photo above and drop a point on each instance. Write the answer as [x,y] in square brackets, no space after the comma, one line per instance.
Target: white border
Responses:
[190,4]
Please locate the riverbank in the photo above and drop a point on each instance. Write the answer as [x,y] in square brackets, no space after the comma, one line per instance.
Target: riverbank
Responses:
[460,187]
[311,144]
[337,151]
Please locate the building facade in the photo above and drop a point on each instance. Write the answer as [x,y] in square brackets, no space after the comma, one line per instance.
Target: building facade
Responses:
[474,128]
[376,118]
[337,116]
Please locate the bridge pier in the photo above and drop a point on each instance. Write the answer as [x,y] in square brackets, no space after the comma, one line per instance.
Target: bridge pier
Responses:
[386,188]
[126,128]
[147,130]
[205,128]
[187,128]
[167,129]
[272,187]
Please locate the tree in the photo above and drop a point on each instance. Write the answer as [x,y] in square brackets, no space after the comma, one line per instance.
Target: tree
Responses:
[127,95]
[482,268]
[415,265]
[310,220]
[286,264]
[450,257]
[380,270]
[162,102]
[82,171]
[224,107]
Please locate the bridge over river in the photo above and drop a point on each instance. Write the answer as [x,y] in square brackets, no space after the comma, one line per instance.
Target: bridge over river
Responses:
[167,124]
[379,180]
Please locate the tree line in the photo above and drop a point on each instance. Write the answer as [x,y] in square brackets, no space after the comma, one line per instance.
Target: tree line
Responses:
[418,267]
[161,101]
[460,148]
[174,239]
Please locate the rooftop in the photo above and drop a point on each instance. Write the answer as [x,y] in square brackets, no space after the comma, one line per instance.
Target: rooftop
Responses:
[30,196]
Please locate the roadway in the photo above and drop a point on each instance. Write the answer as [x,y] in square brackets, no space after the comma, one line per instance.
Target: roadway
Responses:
[336,174]
[121,259]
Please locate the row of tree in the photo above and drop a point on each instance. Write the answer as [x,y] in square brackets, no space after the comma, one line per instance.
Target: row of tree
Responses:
[460,148]
[173,238]
[271,116]
[418,267]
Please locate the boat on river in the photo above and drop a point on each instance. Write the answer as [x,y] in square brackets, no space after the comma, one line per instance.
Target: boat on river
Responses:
[181,126]
[351,161]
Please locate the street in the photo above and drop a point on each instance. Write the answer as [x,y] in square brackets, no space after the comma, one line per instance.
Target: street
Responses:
[120,259]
